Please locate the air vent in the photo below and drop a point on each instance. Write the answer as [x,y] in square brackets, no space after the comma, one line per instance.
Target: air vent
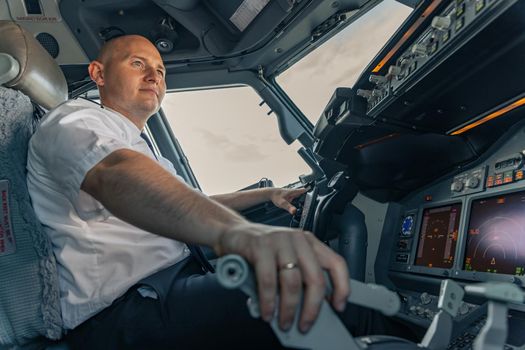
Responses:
[49,43]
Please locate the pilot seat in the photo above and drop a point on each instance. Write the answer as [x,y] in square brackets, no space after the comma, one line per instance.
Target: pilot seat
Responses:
[30,82]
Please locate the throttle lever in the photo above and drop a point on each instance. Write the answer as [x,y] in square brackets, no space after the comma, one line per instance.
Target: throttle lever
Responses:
[233,272]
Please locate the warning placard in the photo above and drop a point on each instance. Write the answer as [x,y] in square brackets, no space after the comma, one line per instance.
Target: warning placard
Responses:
[7,239]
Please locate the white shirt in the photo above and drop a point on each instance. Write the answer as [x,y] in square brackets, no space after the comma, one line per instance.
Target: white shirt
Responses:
[99,256]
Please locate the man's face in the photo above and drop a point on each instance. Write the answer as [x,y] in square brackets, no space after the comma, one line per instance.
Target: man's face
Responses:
[133,78]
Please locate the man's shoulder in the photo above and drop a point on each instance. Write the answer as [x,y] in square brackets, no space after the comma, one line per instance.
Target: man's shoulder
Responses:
[72,106]
[78,113]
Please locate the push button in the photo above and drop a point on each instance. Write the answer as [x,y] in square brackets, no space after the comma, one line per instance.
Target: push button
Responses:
[498,180]
[508,177]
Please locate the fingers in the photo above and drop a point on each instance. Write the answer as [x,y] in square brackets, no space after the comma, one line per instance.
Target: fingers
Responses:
[286,196]
[288,207]
[314,283]
[336,267]
[293,261]
[297,192]
[290,281]
[266,274]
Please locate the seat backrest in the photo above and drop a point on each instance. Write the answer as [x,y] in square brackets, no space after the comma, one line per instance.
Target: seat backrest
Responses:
[29,297]
[39,75]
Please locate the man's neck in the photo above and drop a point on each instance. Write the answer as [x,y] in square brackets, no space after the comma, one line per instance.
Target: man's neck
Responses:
[139,121]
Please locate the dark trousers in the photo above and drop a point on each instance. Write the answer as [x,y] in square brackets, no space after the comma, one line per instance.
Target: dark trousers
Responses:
[192,312]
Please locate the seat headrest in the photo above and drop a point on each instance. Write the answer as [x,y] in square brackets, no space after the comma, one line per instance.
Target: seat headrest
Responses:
[39,76]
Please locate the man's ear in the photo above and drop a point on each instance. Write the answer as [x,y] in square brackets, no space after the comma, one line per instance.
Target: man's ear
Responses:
[96,72]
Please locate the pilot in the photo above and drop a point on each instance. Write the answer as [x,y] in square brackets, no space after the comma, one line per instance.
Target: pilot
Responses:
[123,227]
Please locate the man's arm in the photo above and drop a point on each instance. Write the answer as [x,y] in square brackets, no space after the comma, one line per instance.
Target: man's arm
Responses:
[136,189]
[280,197]
[139,191]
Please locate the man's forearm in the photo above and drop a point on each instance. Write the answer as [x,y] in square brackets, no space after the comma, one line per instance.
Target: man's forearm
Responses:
[244,199]
[139,191]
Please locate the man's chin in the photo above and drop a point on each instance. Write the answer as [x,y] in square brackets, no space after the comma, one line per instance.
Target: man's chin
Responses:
[150,108]
[151,112]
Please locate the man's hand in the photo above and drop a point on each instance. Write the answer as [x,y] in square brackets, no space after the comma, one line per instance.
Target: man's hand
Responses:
[283,197]
[280,197]
[288,261]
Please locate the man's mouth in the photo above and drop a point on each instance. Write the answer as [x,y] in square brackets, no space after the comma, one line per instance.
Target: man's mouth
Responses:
[151,91]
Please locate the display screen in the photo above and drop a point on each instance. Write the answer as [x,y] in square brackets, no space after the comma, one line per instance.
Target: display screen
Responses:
[438,236]
[496,235]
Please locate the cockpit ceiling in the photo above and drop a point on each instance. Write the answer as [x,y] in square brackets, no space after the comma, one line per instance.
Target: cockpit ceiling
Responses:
[238,34]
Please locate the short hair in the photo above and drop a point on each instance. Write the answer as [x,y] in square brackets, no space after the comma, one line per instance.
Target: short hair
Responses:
[107,50]
[110,47]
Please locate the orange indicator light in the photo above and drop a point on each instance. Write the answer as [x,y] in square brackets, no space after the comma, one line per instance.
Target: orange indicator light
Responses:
[491,116]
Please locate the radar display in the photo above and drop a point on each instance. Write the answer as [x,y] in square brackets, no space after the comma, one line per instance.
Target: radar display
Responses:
[438,236]
[496,235]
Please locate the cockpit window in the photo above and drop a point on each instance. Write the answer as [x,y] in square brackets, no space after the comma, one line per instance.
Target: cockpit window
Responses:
[339,61]
[230,141]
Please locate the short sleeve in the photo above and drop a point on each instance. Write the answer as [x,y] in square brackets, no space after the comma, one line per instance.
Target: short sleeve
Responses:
[80,140]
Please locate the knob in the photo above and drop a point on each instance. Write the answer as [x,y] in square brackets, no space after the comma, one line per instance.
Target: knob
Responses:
[441,23]
[463,309]
[420,310]
[394,70]
[429,313]
[412,309]
[472,182]
[456,186]
[377,79]
[425,298]
[377,92]
[420,49]
[405,62]
[364,93]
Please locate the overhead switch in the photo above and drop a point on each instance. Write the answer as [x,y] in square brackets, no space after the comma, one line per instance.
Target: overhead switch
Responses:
[420,49]
[394,70]
[441,23]
[377,79]
[364,93]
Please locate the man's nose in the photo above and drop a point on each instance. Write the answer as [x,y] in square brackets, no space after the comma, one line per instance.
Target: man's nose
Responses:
[152,75]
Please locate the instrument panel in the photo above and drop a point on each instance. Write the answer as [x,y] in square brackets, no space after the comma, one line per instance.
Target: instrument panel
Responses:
[470,225]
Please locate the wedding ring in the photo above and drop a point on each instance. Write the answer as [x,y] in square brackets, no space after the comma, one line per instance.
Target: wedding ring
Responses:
[288,266]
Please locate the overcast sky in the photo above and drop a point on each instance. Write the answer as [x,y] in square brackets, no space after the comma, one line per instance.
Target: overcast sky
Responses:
[232,143]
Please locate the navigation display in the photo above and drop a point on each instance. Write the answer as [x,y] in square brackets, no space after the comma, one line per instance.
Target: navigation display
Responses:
[438,236]
[496,235]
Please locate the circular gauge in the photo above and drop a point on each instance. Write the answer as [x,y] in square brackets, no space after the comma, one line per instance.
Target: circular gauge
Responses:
[407,225]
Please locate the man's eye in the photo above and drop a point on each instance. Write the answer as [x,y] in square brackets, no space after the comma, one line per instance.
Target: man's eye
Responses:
[161,73]
[138,64]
